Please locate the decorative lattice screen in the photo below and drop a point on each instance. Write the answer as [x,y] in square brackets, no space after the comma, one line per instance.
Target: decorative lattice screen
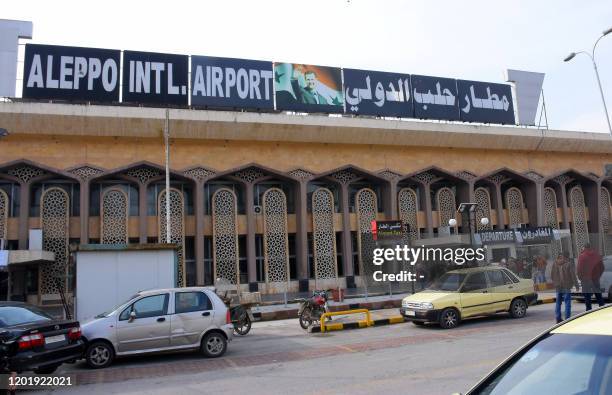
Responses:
[114,217]
[445,197]
[551,218]
[276,244]
[579,224]
[483,199]
[605,216]
[225,235]
[4,209]
[324,235]
[407,204]
[177,227]
[54,217]
[514,206]
[366,207]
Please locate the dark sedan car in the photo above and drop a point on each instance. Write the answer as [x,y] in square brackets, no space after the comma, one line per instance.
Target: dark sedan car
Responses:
[32,340]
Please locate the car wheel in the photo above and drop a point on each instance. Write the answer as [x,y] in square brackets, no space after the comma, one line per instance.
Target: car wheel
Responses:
[610,294]
[449,318]
[518,308]
[214,345]
[47,370]
[99,354]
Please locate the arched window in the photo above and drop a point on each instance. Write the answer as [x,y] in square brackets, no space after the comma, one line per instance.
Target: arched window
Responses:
[324,235]
[225,236]
[114,217]
[177,227]
[276,242]
[579,218]
[484,208]
[407,203]
[514,206]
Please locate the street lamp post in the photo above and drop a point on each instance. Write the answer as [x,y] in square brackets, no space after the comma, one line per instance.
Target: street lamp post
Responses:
[471,209]
[592,56]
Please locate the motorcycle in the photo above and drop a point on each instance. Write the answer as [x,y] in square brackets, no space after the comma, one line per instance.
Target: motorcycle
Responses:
[240,314]
[241,319]
[312,308]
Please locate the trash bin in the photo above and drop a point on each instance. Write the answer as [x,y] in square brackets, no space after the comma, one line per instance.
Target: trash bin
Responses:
[337,294]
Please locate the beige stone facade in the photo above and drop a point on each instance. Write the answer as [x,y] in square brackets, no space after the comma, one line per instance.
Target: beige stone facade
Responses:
[83,151]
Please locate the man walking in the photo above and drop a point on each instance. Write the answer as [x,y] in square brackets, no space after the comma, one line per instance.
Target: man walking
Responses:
[590,269]
[564,277]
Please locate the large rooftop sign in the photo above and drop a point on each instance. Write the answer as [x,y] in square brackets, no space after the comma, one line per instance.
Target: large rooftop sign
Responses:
[93,75]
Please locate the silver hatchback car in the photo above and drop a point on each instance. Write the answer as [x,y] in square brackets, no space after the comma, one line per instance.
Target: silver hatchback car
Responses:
[159,320]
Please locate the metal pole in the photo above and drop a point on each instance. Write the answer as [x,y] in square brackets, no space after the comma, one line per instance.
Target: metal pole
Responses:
[603,100]
[167,144]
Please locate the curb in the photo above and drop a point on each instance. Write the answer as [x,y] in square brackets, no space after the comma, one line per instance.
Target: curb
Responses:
[356,325]
[293,313]
[546,300]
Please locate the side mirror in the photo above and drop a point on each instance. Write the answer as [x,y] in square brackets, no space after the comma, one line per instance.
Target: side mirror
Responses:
[132,316]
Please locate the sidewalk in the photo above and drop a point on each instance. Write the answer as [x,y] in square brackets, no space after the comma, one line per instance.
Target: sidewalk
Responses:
[290,310]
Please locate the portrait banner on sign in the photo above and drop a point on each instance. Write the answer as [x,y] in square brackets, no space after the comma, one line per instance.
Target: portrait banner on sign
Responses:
[307,88]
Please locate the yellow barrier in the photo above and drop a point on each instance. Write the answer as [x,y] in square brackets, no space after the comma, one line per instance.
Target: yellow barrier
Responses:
[368,321]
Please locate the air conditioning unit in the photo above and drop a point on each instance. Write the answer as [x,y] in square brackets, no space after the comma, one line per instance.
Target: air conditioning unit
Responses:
[258,209]
[35,240]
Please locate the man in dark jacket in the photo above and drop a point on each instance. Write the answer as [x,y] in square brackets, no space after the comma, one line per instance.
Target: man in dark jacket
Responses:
[590,269]
[563,274]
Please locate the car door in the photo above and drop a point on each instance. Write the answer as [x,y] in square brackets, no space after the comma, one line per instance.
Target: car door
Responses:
[474,295]
[193,314]
[149,329]
[502,290]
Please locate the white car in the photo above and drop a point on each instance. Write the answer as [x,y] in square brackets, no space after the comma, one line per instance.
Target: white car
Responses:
[159,320]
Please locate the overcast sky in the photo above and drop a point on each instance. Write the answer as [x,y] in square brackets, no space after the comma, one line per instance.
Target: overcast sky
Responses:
[474,40]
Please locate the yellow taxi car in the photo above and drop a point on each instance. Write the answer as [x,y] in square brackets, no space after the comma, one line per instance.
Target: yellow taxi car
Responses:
[464,293]
[574,357]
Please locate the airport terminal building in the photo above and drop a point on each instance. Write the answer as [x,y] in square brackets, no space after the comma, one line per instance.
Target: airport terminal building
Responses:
[266,199]
[277,170]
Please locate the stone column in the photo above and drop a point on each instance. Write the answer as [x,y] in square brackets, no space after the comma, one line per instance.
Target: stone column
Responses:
[142,212]
[199,231]
[541,221]
[347,244]
[84,212]
[24,214]
[251,230]
[301,234]
[426,201]
[426,179]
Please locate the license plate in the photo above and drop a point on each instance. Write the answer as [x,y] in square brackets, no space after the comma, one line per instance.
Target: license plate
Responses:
[410,313]
[55,339]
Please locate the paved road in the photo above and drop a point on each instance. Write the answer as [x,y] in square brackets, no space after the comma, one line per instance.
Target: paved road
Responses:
[279,357]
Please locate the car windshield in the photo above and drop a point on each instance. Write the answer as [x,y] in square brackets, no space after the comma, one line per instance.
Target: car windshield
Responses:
[108,312]
[561,363]
[448,282]
[17,315]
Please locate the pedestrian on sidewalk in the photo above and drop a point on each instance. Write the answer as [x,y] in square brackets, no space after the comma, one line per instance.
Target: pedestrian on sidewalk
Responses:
[590,269]
[540,262]
[563,275]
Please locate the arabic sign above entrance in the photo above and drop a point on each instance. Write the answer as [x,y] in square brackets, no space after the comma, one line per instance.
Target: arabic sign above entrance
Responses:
[92,75]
